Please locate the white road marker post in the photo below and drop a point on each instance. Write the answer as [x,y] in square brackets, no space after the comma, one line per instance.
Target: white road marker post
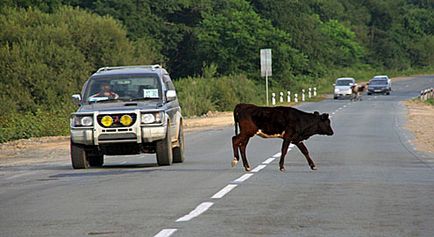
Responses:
[273,98]
[310,92]
[296,98]
[302,95]
[289,96]
[266,68]
[314,91]
[281,97]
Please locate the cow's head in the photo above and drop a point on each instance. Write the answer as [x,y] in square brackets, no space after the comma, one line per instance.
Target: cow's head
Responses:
[324,127]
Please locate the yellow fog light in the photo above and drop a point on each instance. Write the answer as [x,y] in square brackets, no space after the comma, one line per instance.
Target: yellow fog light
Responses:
[126,120]
[107,121]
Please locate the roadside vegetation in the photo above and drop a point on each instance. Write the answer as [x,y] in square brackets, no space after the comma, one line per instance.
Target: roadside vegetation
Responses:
[430,102]
[211,48]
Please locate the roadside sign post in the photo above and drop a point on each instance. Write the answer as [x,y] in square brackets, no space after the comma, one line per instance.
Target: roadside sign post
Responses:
[266,69]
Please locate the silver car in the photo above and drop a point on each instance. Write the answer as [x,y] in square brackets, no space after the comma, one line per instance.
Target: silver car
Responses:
[342,87]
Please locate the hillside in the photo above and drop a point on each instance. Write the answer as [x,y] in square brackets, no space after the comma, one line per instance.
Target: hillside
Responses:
[49,48]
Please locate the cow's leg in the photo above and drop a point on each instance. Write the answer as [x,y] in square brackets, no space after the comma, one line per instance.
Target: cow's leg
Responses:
[235,146]
[243,146]
[305,152]
[283,152]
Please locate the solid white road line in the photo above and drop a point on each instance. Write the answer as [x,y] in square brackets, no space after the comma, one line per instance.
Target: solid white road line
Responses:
[268,161]
[258,168]
[165,232]
[196,212]
[224,191]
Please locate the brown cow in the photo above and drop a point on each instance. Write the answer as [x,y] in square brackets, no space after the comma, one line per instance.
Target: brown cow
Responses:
[290,124]
[357,91]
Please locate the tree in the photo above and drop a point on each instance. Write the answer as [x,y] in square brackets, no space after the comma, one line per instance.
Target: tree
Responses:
[232,38]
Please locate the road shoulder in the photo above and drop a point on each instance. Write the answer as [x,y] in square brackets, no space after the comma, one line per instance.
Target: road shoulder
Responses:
[56,148]
[420,119]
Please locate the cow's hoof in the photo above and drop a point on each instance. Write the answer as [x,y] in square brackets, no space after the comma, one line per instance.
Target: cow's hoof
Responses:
[313,167]
[234,162]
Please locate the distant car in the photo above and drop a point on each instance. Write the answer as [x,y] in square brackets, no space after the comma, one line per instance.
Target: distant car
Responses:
[342,87]
[380,85]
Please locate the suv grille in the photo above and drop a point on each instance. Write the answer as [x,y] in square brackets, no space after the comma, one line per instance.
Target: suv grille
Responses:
[116,120]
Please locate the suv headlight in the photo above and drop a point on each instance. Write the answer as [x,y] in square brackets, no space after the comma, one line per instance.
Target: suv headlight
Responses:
[148,118]
[82,121]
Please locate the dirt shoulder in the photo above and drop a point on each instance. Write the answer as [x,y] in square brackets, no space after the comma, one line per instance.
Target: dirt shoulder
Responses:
[420,120]
[49,149]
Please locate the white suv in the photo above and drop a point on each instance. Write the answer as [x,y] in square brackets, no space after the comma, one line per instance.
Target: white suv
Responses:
[127,110]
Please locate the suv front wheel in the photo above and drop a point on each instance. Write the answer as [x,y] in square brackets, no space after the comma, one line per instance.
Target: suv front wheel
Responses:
[164,150]
[78,157]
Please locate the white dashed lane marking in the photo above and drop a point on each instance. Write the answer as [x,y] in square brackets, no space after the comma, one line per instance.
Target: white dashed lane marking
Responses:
[242,178]
[225,190]
[196,212]
[165,232]
[258,168]
[203,207]
[268,161]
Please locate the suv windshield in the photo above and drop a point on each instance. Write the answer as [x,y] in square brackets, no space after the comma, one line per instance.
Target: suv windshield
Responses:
[123,87]
[378,82]
[343,82]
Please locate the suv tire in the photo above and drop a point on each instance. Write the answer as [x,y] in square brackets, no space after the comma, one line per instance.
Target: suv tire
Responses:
[164,149]
[78,157]
[96,161]
[178,152]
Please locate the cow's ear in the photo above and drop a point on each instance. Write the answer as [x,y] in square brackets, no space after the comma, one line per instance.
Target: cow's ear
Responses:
[316,113]
[324,116]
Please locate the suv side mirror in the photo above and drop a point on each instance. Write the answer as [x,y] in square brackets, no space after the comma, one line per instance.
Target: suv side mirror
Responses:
[171,95]
[76,99]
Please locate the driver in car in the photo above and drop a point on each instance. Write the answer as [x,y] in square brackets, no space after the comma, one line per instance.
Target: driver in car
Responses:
[106,91]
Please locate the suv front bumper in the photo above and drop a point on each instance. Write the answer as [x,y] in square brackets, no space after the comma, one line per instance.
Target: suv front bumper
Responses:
[146,135]
[136,133]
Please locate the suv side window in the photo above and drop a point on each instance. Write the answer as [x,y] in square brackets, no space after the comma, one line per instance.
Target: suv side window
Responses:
[168,82]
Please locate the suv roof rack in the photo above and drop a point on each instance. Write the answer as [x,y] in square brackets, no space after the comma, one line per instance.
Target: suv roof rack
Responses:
[153,67]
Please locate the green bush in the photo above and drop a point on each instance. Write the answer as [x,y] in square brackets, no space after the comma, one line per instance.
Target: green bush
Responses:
[198,95]
[26,125]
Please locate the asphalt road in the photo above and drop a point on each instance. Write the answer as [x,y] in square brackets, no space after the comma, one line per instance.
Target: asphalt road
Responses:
[370,182]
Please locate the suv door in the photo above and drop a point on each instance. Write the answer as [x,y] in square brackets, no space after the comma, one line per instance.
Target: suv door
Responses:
[172,107]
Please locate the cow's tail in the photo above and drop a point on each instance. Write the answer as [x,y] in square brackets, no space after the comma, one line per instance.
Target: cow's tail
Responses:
[236,121]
